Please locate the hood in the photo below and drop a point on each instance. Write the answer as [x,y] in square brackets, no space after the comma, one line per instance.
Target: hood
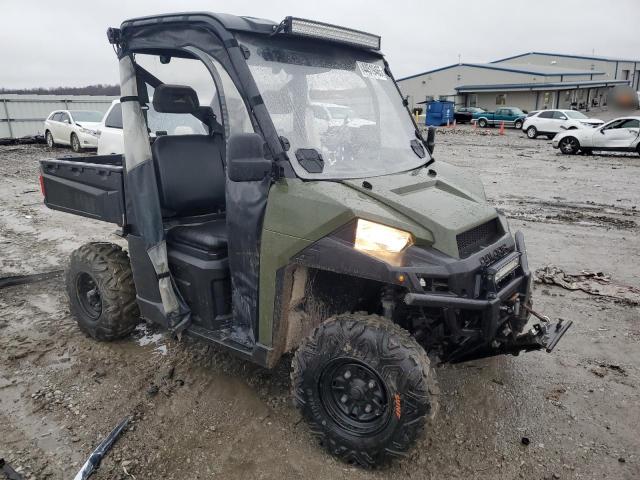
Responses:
[89,125]
[591,121]
[443,199]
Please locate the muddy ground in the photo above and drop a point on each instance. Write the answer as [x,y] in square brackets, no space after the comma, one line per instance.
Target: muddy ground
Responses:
[200,413]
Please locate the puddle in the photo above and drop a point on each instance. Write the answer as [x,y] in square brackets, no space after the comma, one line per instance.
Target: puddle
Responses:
[145,336]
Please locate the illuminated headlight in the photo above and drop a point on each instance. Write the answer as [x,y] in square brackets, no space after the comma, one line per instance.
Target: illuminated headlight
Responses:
[309,28]
[506,269]
[375,238]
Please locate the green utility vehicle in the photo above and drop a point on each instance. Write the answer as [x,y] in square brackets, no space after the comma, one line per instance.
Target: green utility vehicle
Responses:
[254,223]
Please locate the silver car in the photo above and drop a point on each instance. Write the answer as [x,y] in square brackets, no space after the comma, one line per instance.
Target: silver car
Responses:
[621,135]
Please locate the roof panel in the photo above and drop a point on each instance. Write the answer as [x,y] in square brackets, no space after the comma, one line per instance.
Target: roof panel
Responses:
[527,69]
[569,55]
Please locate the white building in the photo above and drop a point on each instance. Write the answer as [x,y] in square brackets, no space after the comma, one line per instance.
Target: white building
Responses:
[531,81]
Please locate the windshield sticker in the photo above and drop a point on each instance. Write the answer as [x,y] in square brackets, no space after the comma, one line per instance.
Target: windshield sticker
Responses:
[371,70]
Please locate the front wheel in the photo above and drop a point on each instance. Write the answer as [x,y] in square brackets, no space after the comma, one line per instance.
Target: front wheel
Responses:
[101,291]
[75,143]
[49,138]
[569,145]
[532,132]
[518,124]
[365,387]
[482,123]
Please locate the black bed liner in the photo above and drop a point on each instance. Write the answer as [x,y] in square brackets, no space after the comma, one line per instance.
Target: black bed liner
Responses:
[91,186]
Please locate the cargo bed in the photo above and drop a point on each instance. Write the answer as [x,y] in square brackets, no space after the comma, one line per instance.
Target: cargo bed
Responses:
[91,186]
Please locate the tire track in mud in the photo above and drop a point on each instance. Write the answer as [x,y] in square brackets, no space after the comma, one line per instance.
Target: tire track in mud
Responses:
[588,214]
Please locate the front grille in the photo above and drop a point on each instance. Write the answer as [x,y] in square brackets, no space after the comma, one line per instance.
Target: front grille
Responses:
[478,237]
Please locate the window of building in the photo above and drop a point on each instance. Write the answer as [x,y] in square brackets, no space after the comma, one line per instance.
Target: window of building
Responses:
[473,100]
[501,99]
[625,74]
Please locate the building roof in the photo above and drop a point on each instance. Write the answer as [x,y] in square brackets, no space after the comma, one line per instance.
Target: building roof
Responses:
[566,55]
[542,70]
[502,87]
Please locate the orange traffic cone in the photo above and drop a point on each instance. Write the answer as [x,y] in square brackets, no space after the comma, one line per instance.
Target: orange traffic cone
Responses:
[475,123]
[502,128]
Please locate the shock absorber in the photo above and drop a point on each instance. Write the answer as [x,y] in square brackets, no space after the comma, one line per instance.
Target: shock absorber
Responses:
[388,301]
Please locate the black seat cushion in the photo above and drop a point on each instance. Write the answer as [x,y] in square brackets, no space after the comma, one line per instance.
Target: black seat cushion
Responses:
[210,236]
[190,174]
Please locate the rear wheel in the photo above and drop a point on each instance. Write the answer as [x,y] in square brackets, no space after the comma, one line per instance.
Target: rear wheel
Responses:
[569,145]
[365,387]
[532,132]
[75,143]
[101,291]
[49,138]
[482,123]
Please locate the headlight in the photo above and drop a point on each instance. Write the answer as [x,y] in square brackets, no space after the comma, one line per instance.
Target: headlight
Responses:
[90,132]
[375,238]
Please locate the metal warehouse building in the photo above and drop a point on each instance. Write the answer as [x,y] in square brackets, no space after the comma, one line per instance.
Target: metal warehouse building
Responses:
[531,81]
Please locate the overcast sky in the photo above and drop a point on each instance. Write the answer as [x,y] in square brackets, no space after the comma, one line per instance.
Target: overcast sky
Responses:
[63,43]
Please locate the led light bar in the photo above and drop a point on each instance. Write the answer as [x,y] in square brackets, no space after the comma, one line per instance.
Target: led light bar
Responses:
[309,28]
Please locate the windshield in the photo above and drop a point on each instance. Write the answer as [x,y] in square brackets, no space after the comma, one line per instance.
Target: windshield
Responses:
[574,114]
[86,116]
[336,100]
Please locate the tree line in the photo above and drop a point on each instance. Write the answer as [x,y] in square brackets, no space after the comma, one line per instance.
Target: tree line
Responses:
[100,89]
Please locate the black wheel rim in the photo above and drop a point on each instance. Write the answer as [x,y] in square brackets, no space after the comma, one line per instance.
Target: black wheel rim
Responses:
[88,295]
[569,145]
[354,396]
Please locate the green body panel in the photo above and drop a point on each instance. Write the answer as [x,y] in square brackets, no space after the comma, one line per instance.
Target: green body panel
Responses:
[433,208]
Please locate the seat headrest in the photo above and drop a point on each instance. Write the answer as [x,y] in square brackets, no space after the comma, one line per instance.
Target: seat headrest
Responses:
[175,99]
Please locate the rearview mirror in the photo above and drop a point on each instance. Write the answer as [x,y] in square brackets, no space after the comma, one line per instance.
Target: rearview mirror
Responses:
[245,158]
[431,139]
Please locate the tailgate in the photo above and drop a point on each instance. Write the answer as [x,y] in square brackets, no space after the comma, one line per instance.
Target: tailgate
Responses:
[88,186]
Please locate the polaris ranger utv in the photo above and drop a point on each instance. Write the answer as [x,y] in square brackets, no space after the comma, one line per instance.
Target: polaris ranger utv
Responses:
[255,224]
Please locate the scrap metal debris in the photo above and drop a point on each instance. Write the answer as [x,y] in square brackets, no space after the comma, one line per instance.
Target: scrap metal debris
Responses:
[593,283]
[35,277]
[8,472]
[98,454]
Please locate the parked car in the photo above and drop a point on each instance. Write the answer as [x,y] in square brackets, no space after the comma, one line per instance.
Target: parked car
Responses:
[551,122]
[621,134]
[77,128]
[465,114]
[111,139]
[511,116]
[335,115]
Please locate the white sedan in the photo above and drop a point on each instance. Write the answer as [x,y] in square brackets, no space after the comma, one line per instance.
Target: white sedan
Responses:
[621,135]
[551,122]
[77,128]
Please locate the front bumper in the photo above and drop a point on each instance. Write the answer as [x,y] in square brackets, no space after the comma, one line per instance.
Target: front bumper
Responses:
[87,140]
[503,313]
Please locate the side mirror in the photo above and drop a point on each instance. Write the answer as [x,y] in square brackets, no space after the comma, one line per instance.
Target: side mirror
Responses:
[245,158]
[431,139]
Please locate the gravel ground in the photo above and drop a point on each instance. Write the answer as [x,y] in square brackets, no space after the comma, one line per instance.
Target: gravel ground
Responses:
[200,413]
